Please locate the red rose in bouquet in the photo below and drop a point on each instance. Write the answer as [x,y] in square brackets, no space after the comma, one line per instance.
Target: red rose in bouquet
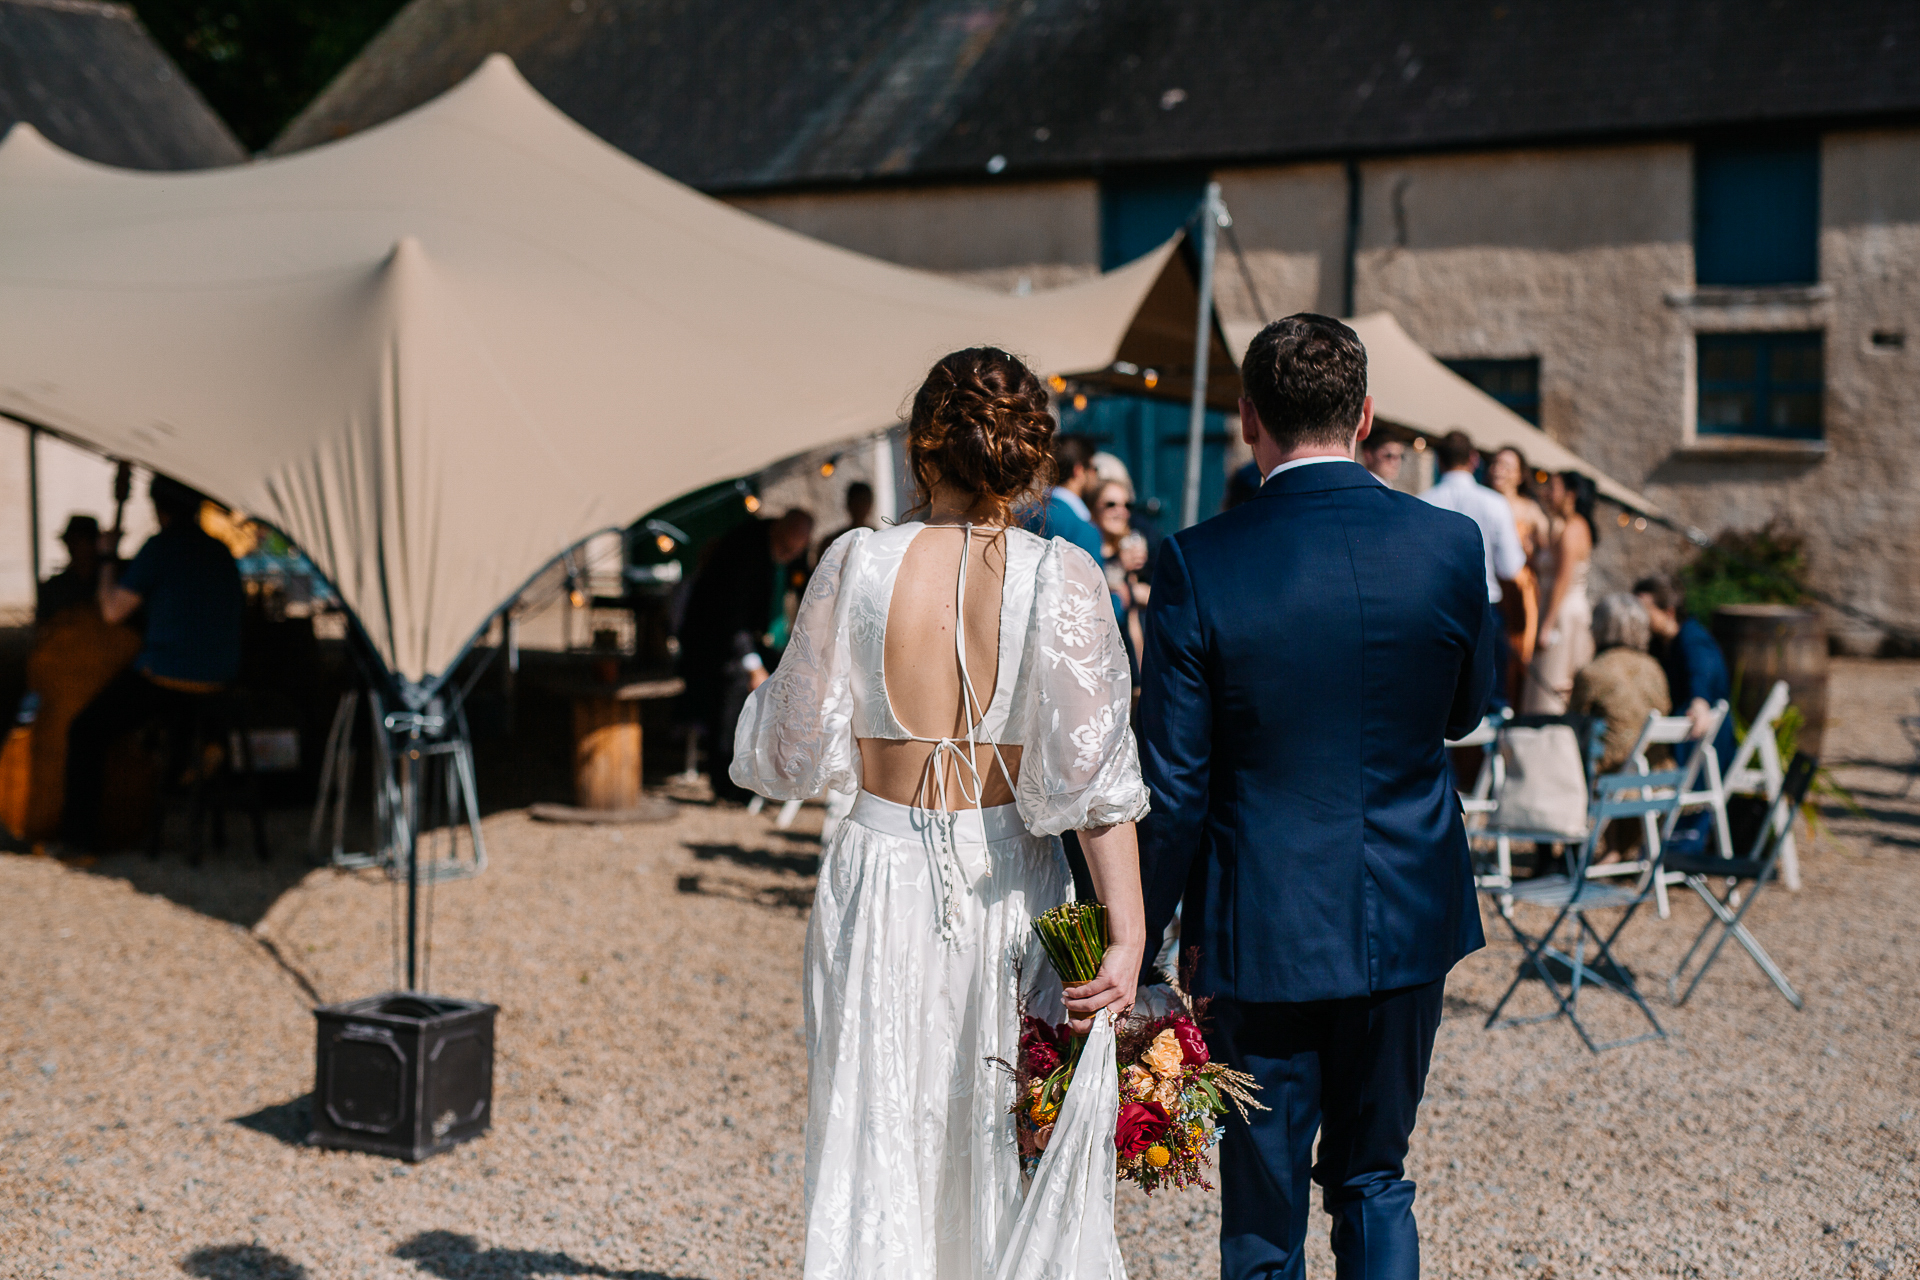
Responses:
[1193,1046]
[1040,1048]
[1141,1125]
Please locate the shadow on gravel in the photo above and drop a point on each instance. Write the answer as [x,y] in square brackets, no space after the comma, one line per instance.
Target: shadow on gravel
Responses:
[805,864]
[455,1257]
[779,897]
[229,884]
[289,1121]
[242,1262]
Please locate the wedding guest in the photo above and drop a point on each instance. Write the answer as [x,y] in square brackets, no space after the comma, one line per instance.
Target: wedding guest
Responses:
[1242,485]
[736,621]
[1382,454]
[1124,556]
[77,585]
[189,585]
[1065,513]
[1520,608]
[1623,686]
[1566,635]
[1696,669]
[1457,490]
[859,512]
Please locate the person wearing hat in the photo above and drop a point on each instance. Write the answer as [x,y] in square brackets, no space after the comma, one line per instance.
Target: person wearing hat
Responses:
[190,587]
[78,584]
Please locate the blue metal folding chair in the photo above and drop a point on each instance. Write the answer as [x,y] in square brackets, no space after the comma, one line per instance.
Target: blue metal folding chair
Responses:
[1757,870]
[1572,897]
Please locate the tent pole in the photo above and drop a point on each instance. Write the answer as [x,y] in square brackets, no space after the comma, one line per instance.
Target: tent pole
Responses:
[33,506]
[1202,348]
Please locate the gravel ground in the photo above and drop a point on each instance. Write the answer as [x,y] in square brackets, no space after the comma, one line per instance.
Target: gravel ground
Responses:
[155,1057]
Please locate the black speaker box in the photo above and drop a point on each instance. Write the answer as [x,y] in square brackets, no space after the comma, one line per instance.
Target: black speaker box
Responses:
[402,1075]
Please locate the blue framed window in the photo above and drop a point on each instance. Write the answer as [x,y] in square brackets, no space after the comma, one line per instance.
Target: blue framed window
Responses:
[1756,214]
[1514,383]
[1762,384]
[1138,211]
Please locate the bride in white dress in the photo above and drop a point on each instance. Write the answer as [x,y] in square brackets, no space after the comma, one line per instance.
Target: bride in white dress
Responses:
[968,679]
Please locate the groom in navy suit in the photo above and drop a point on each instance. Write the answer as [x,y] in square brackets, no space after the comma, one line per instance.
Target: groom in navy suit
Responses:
[1307,653]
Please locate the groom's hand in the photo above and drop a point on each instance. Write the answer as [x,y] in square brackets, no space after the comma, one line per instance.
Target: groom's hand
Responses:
[1112,987]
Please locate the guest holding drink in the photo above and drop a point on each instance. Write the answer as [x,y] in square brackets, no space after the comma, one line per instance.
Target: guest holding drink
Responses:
[1123,554]
[1566,636]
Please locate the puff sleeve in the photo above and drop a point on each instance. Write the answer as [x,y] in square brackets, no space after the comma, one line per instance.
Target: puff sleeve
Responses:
[1079,767]
[794,738]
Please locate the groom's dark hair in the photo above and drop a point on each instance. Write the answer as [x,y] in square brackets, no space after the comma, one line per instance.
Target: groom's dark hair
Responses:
[1307,377]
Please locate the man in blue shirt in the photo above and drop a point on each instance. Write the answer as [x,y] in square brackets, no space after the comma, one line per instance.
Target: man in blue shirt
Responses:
[1688,653]
[1065,513]
[189,586]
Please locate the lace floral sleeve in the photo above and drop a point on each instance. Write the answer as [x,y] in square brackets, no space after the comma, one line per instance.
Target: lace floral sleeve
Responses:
[1080,767]
[795,735]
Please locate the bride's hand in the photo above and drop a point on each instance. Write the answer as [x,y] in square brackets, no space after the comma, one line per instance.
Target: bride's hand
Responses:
[1112,987]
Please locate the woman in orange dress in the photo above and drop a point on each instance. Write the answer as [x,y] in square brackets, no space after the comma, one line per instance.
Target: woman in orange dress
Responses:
[1520,608]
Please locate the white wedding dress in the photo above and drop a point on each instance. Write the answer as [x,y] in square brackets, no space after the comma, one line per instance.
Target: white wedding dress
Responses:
[921,944]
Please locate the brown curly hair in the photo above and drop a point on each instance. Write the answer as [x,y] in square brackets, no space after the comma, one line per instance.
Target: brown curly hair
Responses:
[980,422]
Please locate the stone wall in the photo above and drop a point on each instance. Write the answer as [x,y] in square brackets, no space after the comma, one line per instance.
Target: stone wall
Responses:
[1582,257]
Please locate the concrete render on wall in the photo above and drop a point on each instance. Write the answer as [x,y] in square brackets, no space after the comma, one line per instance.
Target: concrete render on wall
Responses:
[1582,257]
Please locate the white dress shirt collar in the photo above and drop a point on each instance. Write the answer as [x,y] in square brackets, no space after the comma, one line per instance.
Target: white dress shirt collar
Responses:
[1075,503]
[1305,462]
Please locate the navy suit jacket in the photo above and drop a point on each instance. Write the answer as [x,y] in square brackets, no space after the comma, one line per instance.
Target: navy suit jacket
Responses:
[1307,654]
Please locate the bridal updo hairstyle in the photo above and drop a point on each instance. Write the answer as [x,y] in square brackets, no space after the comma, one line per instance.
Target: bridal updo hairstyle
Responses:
[980,422]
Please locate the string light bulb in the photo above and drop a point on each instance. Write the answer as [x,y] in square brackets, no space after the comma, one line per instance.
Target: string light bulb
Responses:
[1624,518]
[1640,523]
[1152,378]
[577,598]
[1420,444]
[1057,382]
[753,503]
[826,468]
[665,544]
[1080,401]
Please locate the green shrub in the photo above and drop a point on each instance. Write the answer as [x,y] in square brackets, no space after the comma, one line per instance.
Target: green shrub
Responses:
[1767,565]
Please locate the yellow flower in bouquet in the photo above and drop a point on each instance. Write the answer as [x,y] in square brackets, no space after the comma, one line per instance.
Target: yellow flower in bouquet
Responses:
[1158,1156]
[1042,1112]
[1165,1055]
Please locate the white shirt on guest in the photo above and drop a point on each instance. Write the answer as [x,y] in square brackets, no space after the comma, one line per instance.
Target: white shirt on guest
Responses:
[1075,503]
[1459,491]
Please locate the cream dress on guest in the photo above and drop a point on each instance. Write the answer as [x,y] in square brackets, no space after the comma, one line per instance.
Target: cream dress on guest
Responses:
[921,948]
[1566,639]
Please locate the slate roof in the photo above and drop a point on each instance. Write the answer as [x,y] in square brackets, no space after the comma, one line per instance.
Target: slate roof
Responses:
[734,95]
[91,79]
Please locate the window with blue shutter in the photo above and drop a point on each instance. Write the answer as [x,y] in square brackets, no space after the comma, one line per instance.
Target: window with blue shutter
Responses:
[1139,210]
[1514,383]
[1756,214]
[1762,384]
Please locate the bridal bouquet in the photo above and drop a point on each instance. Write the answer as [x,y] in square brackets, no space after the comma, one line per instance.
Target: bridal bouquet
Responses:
[1171,1093]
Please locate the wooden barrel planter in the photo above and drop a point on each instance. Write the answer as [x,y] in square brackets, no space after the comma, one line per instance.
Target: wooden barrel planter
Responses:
[1768,642]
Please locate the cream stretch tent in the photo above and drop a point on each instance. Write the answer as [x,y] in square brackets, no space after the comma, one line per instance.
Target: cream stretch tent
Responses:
[1411,389]
[438,353]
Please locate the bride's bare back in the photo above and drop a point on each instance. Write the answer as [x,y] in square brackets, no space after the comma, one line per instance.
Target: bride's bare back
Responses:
[923,676]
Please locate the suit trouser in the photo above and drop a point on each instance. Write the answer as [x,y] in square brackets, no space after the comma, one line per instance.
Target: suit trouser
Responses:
[1352,1070]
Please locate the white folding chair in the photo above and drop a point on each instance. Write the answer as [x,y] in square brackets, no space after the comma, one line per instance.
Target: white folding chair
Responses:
[1479,800]
[1701,788]
[1757,770]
